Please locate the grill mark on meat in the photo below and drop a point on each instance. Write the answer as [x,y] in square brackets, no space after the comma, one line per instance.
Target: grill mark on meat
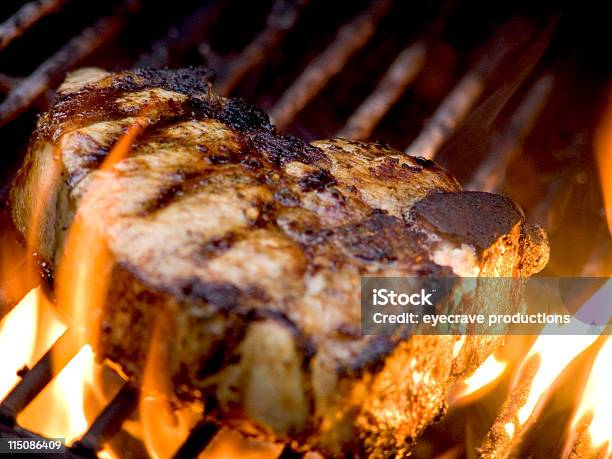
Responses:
[184,184]
[90,161]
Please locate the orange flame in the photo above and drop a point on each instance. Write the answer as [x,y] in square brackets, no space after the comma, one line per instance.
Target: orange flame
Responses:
[36,324]
[556,353]
[82,283]
[603,149]
[164,427]
[229,444]
[62,401]
[597,400]
[490,370]
[85,263]
[19,326]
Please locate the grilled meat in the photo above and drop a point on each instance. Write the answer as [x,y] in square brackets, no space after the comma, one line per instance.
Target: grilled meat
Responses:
[241,250]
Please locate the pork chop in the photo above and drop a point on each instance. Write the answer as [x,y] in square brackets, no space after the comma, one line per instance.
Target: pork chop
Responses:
[246,249]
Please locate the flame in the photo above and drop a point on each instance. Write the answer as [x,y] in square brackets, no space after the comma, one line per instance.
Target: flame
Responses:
[18,327]
[603,149]
[82,284]
[36,324]
[597,399]
[62,401]
[229,444]
[85,264]
[164,427]
[555,353]
[490,370]
[17,277]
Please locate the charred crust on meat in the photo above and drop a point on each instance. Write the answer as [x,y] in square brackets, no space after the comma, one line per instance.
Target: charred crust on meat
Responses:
[371,358]
[93,103]
[188,81]
[244,117]
[423,162]
[461,215]
[281,150]
[317,180]
[379,238]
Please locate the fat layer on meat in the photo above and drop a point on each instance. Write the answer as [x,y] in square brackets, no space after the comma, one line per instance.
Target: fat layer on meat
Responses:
[241,251]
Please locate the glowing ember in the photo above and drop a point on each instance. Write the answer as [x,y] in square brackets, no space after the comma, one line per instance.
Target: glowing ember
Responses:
[18,333]
[597,399]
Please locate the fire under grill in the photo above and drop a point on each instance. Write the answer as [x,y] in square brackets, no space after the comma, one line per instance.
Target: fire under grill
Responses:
[508,98]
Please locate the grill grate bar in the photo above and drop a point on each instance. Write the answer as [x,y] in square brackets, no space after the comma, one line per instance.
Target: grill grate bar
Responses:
[280,21]
[34,380]
[8,82]
[458,103]
[453,109]
[400,74]
[546,212]
[350,38]
[25,93]
[199,438]
[491,173]
[109,422]
[24,18]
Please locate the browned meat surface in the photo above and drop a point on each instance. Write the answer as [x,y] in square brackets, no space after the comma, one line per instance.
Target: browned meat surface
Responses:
[245,248]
